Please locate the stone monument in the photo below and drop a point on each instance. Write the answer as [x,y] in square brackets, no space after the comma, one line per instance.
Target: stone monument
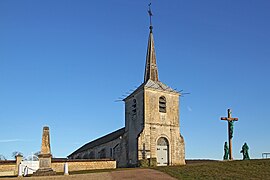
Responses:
[45,156]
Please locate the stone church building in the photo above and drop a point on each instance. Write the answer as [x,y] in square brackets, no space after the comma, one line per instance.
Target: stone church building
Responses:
[152,125]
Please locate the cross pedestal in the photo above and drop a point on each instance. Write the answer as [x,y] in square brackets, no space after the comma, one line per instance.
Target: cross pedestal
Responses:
[230,130]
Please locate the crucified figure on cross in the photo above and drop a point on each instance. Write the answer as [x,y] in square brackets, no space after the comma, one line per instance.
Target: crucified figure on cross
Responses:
[230,130]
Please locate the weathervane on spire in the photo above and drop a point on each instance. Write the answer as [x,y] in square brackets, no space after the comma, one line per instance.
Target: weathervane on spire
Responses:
[150,15]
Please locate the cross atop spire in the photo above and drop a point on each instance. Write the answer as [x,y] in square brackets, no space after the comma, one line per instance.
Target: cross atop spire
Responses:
[151,71]
[150,15]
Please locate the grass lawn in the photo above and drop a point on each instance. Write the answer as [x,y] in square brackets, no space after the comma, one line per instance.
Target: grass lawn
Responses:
[248,169]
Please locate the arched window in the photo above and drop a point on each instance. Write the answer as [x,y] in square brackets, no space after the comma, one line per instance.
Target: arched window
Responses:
[92,155]
[102,154]
[162,104]
[85,156]
[162,142]
[80,156]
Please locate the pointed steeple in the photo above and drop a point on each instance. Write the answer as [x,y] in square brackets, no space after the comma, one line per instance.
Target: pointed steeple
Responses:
[151,70]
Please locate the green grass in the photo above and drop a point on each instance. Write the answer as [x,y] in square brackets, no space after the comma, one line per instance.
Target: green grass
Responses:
[248,169]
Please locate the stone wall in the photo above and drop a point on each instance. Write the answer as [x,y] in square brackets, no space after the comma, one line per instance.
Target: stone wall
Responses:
[159,124]
[8,168]
[115,149]
[100,152]
[82,165]
[134,123]
[145,124]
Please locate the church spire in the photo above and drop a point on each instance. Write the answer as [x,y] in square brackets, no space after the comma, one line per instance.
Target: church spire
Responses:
[151,71]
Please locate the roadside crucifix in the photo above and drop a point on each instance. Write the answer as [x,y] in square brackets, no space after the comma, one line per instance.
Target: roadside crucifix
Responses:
[230,130]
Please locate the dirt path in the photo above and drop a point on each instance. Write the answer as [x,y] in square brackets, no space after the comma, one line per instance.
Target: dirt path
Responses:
[134,174]
[140,174]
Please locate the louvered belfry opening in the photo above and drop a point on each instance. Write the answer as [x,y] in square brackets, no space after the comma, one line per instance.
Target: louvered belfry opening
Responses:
[162,104]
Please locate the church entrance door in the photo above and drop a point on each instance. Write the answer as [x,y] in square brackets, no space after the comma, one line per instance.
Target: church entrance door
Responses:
[162,152]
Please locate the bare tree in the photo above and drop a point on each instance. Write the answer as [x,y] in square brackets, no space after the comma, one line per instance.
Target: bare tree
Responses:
[33,157]
[2,157]
[16,153]
[37,153]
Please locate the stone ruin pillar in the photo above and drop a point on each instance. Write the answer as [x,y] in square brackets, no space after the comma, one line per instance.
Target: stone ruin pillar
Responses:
[45,156]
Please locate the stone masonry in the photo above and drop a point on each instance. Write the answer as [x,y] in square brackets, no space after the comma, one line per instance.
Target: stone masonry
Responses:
[45,156]
[151,135]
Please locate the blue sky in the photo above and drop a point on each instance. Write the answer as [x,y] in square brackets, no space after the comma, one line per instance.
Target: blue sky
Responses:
[64,63]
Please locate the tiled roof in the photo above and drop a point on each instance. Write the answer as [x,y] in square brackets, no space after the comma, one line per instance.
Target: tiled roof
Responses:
[159,85]
[99,141]
[155,85]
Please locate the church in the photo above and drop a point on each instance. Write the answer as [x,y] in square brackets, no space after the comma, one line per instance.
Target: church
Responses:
[151,135]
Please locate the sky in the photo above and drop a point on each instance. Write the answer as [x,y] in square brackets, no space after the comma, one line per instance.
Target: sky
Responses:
[65,64]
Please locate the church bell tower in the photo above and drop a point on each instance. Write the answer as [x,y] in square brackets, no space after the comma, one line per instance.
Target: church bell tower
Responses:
[152,122]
